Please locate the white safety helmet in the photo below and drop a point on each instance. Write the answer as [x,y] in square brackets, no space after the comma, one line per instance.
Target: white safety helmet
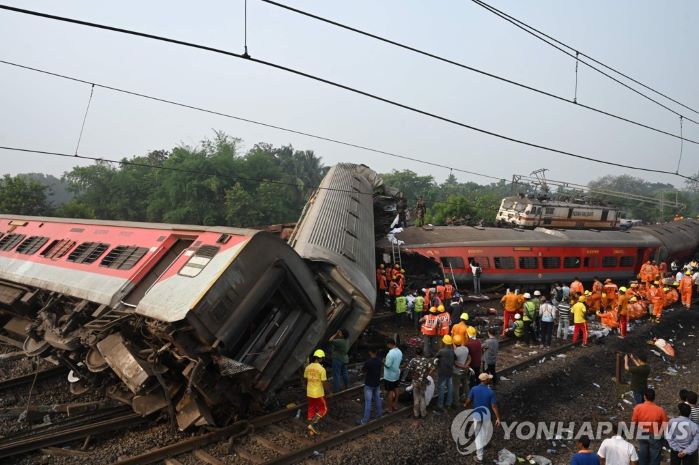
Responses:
[537,293]
[527,295]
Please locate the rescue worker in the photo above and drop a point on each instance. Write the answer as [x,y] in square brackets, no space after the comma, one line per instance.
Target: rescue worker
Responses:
[510,304]
[622,307]
[612,291]
[315,376]
[401,310]
[441,291]
[646,273]
[597,285]
[686,284]
[529,318]
[382,284]
[580,320]
[594,301]
[429,331]
[392,294]
[419,307]
[395,272]
[576,288]
[461,328]
[462,361]
[656,297]
[517,330]
[443,321]
[448,292]
[671,295]
[428,296]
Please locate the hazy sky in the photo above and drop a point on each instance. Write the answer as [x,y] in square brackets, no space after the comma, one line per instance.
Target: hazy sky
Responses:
[655,41]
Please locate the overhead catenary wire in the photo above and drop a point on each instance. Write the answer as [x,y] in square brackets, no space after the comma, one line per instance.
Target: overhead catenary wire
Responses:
[87,110]
[255,122]
[523,26]
[476,70]
[347,88]
[615,70]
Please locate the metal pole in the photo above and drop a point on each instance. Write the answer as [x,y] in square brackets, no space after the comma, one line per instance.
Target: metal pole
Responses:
[619,365]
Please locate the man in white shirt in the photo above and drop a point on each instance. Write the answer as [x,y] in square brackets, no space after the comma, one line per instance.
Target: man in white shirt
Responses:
[617,451]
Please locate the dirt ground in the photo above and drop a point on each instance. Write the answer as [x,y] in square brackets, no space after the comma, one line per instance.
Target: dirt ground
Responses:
[576,388]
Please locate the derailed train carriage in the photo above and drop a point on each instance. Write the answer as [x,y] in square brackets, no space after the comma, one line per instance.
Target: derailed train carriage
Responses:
[189,318]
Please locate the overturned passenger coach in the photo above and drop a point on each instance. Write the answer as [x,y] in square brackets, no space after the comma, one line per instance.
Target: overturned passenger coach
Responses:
[198,321]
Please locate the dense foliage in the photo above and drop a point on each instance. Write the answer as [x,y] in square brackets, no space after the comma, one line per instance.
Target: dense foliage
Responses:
[216,184]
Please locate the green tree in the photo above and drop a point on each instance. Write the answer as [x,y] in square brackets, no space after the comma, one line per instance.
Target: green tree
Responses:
[23,196]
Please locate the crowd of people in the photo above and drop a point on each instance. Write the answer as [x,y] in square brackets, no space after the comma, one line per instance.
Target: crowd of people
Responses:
[530,318]
[458,369]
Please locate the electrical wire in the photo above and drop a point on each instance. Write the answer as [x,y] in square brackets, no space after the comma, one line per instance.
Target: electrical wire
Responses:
[347,88]
[635,81]
[523,26]
[475,70]
[251,121]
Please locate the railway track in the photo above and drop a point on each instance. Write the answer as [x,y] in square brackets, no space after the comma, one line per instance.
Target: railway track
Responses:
[28,379]
[280,438]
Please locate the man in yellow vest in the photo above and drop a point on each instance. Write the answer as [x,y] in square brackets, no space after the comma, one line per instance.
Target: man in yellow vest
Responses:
[315,392]
[580,320]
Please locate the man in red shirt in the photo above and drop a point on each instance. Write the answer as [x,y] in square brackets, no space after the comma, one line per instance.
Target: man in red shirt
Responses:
[651,419]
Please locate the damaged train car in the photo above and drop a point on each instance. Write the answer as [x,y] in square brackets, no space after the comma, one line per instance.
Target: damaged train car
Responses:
[189,318]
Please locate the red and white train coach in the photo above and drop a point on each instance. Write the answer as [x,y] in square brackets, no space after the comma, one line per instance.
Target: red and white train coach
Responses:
[543,255]
[221,311]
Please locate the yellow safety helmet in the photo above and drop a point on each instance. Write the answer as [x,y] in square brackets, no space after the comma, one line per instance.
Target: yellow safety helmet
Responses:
[447,340]
[656,282]
[688,273]
[471,331]
[319,353]
[440,308]
[464,316]
[633,299]
[588,293]
[666,289]
[675,283]
[582,298]
[622,289]
[446,280]
[402,270]
[604,294]
[458,340]
[433,309]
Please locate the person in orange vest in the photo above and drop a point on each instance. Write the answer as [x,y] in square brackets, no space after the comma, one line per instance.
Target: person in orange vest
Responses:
[443,321]
[662,269]
[612,291]
[440,291]
[400,279]
[448,292]
[657,299]
[654,270]
[382,284]
[392,294]
[597,285]
[622,307]
[594,301]
[510,304]
[576,288]
[428,296]
[395,272]
[671,295]
[461,328]
[686,284]
[646,273]
[428,329]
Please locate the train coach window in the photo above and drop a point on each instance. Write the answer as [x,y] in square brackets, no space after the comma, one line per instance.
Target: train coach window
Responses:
[30,245]
[590,262]
[484,262]
[199,260]
[626,261]
[453,262]
[10,241]
[609,262]
[87,252]
[123,257]
[505,263]
[528,263]
[551,262]
[571,262]
[57,249]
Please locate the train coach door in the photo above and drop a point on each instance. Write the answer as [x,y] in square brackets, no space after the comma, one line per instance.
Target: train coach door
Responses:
[157,270]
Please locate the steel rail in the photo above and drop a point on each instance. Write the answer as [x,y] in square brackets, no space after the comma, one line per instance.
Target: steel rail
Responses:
[28,379]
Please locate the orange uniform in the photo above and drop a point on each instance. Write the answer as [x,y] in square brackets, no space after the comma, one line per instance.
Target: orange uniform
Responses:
[686,285]
[597,286]
[577,287]
[657,299]
[448,291]
[647,272]
[594,301]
